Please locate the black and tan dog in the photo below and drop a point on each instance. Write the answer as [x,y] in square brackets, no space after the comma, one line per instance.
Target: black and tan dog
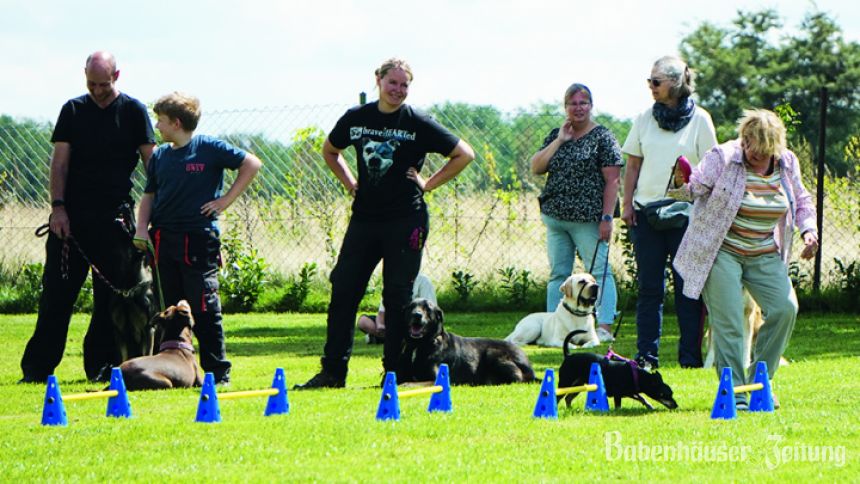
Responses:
[471,361]
[132,309]
[175,364]
[621,377]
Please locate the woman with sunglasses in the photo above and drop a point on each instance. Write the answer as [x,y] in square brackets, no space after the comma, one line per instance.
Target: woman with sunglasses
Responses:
[583,162]
[674,126]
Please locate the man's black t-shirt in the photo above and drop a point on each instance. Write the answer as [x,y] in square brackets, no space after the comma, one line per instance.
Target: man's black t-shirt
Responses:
[386,146]
[104,149]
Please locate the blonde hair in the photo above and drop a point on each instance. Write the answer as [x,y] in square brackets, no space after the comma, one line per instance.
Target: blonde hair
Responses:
[762,131]
[181,106]
[394,63]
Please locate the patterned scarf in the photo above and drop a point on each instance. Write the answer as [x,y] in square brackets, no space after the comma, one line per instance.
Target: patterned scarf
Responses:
[674,119]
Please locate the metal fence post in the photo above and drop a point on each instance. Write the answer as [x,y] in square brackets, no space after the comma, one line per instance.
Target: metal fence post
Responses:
[819,189]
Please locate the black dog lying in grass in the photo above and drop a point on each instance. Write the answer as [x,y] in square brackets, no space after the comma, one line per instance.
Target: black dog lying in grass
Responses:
[471,361]
[622,378]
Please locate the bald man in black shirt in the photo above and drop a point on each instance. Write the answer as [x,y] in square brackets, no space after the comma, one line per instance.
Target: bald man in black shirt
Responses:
[98,140]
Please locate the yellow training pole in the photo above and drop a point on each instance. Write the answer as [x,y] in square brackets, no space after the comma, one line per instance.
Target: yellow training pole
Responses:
[90,396]
[579,389]
[248,394]
[420,391]
[748,388]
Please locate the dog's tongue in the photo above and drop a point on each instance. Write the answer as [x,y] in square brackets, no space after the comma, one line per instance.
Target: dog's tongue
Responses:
[415,330]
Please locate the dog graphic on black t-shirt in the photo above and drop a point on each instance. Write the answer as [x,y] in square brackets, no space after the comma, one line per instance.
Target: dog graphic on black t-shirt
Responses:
[378,157]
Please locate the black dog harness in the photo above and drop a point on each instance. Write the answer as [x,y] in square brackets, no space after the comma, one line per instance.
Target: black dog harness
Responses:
[575,312]
[634,367]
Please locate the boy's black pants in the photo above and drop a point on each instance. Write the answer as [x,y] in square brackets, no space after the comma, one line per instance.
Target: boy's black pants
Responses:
[188,265]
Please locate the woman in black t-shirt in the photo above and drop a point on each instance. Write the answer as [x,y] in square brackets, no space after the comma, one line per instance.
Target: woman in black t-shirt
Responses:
[389,219]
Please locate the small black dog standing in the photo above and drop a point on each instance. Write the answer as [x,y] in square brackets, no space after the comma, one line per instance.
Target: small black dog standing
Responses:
[472,361]
[622,378]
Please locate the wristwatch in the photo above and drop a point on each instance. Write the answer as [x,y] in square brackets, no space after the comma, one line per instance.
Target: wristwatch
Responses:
[606,218]
[58,203]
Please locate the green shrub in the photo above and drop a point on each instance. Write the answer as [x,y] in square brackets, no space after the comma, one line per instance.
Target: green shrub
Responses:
[29,286]
[463,283]
[516,283]
[299,288]
[849,275]
[243,276]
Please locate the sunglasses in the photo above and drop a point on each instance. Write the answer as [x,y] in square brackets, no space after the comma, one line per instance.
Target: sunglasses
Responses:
[655,82]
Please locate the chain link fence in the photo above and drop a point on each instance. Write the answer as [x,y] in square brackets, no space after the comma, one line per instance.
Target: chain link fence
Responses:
[296,212]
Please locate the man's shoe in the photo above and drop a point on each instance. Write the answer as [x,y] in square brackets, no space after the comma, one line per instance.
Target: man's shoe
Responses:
[604,335]
[322,380]
[741,405]
[32,379]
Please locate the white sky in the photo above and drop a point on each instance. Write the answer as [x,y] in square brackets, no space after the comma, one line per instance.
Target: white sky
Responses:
[237,54]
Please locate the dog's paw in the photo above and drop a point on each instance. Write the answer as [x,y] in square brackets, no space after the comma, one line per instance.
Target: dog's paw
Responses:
[591,344]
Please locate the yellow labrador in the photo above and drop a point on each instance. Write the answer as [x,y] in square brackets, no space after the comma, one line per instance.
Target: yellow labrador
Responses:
[753,321]
[575,311]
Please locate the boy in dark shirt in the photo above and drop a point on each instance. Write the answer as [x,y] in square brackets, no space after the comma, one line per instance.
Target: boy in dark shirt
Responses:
[179,214]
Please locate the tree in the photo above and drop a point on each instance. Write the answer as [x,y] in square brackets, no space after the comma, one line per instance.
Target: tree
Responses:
[742,67]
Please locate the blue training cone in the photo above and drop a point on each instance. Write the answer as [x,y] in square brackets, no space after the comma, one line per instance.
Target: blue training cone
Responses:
[54,412]
[547,406]
[596,400]
[761,400]
[207,409]
[389,404]
[118,406]
[278,404]
[724,404]
[441,402]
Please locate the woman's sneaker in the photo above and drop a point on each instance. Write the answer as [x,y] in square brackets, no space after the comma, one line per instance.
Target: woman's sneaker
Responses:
[604,335]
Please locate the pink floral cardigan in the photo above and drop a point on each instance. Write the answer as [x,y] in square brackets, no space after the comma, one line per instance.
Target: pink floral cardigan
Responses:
[717,185]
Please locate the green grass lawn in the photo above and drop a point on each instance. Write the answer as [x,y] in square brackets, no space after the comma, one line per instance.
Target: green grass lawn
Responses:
[332,435]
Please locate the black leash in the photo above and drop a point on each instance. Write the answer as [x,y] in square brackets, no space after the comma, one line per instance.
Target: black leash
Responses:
[602,287]
[64,267]
[126,225]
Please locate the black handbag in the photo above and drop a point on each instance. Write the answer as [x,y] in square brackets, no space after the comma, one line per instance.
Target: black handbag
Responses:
[667,213]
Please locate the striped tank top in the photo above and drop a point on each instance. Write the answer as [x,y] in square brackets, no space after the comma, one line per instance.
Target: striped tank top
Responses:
[763,204]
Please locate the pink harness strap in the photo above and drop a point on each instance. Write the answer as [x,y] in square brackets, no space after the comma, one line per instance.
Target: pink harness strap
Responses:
[634,367]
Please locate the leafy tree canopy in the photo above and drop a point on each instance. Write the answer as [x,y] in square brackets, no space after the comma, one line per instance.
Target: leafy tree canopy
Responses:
[754,63]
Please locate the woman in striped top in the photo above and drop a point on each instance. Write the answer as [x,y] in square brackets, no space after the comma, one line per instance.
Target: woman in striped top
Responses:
[749,197]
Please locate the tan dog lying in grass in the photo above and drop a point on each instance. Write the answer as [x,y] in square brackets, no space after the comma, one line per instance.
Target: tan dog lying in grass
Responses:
[175,365]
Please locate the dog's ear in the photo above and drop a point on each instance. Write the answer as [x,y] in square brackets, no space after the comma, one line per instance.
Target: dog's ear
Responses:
[567,287]
[438,315]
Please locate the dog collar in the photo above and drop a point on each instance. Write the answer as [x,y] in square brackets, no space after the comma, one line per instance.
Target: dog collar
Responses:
[175,345]
[575,312]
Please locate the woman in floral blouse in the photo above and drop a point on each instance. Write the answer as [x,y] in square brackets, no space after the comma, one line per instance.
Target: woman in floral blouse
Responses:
[749,198]
[583,162]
